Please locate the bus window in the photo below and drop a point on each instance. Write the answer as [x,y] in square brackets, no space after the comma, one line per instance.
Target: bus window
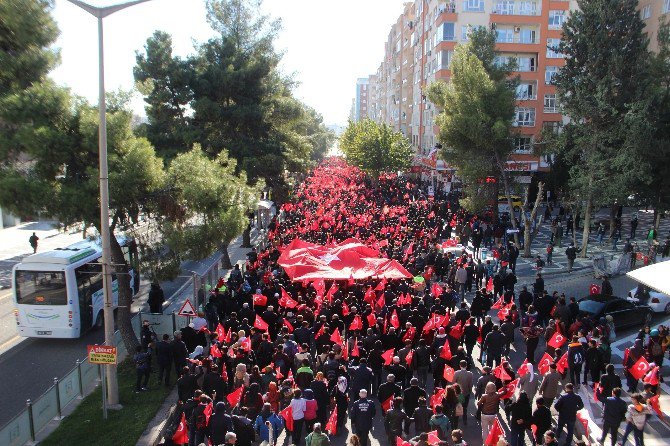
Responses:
[40,287]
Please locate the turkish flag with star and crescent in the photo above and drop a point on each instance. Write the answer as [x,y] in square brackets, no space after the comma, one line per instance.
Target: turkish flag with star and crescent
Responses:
[640,368]
[557,340]
[545,362]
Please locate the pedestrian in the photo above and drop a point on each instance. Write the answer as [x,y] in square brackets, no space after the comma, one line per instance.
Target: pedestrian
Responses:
[199,422]
[164,359]
[576,357]
[421,417]
[550,253]
[567,406]
[571,254]
[220,423]
[298,406]
[33,239]
[362,413]
[179,353]
[142,359]
[529,382]
[613,415]
[489,404]
[493,346]
[636,415]
[464,378]
[520,419]
[541,418]
[317,437]
[156,298]
[394,420]
[441,423]
[633,225]
[230,438]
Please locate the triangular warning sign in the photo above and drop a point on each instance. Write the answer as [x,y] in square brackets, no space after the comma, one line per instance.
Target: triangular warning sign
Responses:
[187,309]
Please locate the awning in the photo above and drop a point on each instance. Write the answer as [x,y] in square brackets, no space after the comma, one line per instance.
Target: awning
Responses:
[656,276]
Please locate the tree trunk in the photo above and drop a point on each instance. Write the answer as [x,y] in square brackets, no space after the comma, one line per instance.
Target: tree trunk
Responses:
[83,229]
[508,195]
[246,237]
[123,314]
[527,222]
[587,221]
[225,258]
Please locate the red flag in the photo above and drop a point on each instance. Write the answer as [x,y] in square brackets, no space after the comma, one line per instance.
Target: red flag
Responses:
[395,321]
[288,325]
[585,423]
[286,300]
[260,300]
[494,434]
[409,358]
[640,368]
[545,362]
[181,435]
[345,351]
[221,332]
[336,337]
[489,285]
[351,280]
[320,287]
[386,404]
[381,285]
[369,295]
[500,303]
[388,356]
[409,334]
[372,319]
[400,442]
[500,373]
[356,323]
[456,331]
[287,415]
[508,390]
[355,351]
[246,344]
[380,302]
[227,338]
[235,396]
[596,390]
[436,290]
[331,292]
[523,368]
[651,377]
[445,352]
[331,426]
[448,374]
[594,289]
[436,398]
[557,340]
[345,309]
[215,352]
[653,401]
[320,332]
[433,438]
[562,364]
[260,324]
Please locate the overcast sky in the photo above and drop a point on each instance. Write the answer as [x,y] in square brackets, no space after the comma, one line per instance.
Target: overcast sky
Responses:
[327,44]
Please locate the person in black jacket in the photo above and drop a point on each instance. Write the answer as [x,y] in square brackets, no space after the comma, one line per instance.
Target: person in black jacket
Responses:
[187,384]
[362,413]
[421,417]
[179,353]
[388,389]
[608,382]
[542,419]
[411,397]
[156,298]
[614,414]
[422,361]
[214,385]
[567,406]
[470,335]
[164,359]
[520,419]
[220,423]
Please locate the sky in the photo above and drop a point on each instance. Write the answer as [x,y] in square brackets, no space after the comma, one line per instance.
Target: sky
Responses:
[327,44]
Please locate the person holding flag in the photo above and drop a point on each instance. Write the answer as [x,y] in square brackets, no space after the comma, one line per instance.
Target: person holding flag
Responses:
[613,415]
[489,404]
[199,421]
[636,415]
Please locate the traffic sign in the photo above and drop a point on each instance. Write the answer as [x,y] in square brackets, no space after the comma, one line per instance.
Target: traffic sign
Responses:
[101,354]
[187,309]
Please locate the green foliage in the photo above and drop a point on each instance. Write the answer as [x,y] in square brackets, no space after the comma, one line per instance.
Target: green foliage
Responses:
[603,88]
[215,201]
[375,148]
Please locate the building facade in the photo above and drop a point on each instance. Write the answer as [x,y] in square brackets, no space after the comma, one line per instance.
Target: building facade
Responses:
[419,49]
[653,13]
[361,101]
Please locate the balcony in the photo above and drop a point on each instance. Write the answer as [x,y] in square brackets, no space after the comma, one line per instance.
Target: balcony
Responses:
[449,8]
[516,38]
[512,8]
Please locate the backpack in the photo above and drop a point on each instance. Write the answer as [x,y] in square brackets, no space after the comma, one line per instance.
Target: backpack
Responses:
[656,349]
[201,421]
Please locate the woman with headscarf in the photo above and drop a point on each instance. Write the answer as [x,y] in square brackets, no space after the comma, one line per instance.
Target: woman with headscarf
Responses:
[340,393]
[253,401]
[529,382]
[241,377]
[633,355]
[311,407]
[265,421]
[272,396]
[520,419]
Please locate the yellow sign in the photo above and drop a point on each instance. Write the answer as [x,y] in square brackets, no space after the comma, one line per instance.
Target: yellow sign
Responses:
[102,354]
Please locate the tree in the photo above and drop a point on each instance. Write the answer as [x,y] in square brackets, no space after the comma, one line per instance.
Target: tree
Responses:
[375,148]
[214,202]
[477,112]
[529,232]
[603,90]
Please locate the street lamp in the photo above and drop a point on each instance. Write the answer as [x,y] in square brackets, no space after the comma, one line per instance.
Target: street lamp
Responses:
[112,393]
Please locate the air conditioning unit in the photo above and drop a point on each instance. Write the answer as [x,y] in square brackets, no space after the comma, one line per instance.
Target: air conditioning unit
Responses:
[517,29]
[429,53]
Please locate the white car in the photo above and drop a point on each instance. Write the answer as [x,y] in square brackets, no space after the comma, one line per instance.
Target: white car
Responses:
[658,302]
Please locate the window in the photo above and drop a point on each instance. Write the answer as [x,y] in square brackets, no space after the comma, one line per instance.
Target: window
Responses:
[666,6]
[525,92]
[527,36]
[504,7]
[473,6]
[40,288]
[646,12]
[556,19]
[552,49]
[467,29]
[523,145]
[552,126]
[527,8]
[444,59]
[524,117]
[550,103]
[448,31]
[504,35]
[549,73]
[525,63]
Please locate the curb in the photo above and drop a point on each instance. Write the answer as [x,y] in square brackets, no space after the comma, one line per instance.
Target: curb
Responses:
[156,427]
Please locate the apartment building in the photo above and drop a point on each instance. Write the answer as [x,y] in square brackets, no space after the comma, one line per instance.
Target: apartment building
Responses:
[653,12]
[419,50]
[361,102]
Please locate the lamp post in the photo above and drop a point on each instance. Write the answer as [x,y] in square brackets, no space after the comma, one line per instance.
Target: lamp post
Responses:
[108,310]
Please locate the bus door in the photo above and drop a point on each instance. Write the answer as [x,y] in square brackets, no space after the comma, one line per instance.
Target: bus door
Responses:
[89,281]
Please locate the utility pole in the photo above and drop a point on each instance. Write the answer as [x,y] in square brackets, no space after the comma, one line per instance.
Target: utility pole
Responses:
[108,308]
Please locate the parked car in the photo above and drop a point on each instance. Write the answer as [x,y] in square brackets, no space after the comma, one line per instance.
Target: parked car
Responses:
[658,302]
[624,313]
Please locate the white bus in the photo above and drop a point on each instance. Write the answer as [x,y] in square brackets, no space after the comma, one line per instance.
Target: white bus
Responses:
[58,294]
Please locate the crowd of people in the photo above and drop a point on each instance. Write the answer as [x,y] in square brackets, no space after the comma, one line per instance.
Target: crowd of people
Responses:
[431,355]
